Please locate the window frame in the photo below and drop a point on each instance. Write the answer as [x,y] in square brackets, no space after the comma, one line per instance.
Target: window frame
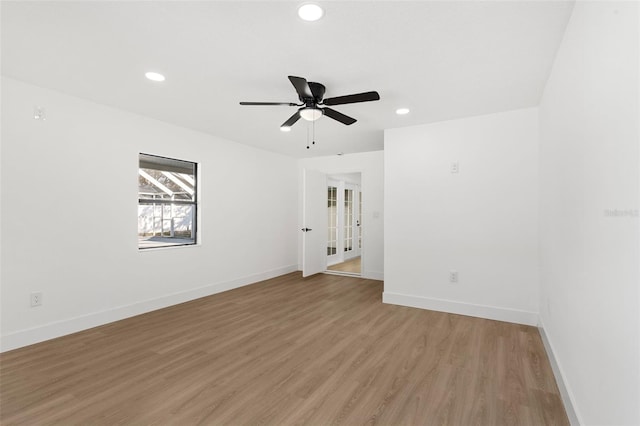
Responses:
[163,202]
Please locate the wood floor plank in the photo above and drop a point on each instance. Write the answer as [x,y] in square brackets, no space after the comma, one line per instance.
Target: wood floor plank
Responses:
[353,266]
[287,351]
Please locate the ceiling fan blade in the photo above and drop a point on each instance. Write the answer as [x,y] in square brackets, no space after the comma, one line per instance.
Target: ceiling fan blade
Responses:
[291,121]
[317,89]
[344,119]
[302,87]
[269,103]
[352,99]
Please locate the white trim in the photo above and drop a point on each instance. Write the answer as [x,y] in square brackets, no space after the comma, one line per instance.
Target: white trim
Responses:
[373,275]
[72,325]
[342,273]
[461,308]
[160,248]
[565,392]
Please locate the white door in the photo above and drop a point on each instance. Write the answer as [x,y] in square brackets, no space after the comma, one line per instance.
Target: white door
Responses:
[351,221]
[314,223]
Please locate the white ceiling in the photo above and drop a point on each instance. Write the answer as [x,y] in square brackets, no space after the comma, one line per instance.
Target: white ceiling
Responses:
[442,60]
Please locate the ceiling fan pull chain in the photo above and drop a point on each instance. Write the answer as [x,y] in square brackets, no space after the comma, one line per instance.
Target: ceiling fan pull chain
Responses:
[313,139]
[307,136]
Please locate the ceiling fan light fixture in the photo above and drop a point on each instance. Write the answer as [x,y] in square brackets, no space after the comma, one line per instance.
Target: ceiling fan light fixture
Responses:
[310,12]
[310,114]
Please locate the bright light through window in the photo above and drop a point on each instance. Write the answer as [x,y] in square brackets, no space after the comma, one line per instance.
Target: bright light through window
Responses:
[167,202]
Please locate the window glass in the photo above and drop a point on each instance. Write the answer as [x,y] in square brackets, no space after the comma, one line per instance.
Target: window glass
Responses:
[167,202]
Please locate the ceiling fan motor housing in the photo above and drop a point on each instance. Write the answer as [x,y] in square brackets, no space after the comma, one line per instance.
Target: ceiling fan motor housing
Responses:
[318,92]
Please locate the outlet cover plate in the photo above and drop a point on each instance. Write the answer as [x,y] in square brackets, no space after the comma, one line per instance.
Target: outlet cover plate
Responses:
[36,299]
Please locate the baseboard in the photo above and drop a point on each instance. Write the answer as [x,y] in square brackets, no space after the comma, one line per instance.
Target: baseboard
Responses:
[565,392]
[373,275]
[61,328]
[369,275]
[460,308]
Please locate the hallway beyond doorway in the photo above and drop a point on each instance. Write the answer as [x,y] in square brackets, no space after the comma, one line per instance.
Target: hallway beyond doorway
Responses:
[352,266]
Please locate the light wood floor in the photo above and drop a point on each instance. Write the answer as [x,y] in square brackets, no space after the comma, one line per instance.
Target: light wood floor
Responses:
[352,265]
[317,351]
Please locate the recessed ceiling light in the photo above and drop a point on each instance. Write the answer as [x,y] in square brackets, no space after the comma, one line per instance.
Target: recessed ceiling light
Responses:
[285,129]
[402,111]
[154,76]
[310,12]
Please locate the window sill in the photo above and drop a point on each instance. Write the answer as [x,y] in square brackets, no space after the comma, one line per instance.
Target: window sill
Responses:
[180,246]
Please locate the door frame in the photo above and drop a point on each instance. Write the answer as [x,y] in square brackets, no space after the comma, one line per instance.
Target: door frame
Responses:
[335,180]
[331,171]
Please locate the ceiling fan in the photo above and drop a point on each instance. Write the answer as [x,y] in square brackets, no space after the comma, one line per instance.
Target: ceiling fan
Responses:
[311,97]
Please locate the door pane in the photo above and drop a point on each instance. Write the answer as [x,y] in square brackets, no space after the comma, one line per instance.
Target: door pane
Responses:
[360,220]
[332,204]
[348,220]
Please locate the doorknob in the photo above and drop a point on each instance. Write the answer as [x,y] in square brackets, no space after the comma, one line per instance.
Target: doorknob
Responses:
[306,229]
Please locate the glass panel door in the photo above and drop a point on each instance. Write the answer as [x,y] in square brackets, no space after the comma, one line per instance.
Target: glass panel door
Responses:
[344,241]
[359,224]
[332,210]
[348,221]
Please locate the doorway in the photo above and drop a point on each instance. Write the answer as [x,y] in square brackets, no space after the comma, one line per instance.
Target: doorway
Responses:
[344,224]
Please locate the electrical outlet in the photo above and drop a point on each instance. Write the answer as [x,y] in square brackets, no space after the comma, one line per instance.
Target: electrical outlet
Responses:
[455,167]
[36,299]
[453,276]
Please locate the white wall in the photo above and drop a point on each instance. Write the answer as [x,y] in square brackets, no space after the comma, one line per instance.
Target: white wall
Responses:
[589,260]
[353,178]
[481,222]
[371,165]
[69,224]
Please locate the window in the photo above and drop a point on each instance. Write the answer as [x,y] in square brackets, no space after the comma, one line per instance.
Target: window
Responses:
[167,202]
